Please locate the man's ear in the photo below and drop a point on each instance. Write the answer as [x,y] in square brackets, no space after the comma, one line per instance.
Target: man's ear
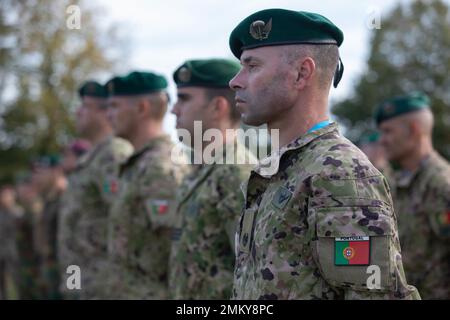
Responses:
[415,129]
[305,69]
[144,107]
[219,106]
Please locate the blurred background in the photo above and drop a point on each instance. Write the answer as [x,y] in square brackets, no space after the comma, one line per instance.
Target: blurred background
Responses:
[390,48]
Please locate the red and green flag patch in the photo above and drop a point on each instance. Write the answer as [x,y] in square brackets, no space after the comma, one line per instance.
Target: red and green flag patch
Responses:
[445,218]
[158,207]
[353,251]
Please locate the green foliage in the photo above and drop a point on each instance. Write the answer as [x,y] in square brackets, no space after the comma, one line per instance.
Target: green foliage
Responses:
[42,63]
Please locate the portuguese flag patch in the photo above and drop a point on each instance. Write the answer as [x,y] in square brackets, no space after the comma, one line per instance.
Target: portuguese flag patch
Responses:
[352,251]
[445,218]
[158,207]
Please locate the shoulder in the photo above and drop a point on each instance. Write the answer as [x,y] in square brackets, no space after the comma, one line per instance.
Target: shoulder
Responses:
[118,147]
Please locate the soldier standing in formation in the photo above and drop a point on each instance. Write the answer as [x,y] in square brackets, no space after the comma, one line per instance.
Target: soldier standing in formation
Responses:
[421,192]
[209,200]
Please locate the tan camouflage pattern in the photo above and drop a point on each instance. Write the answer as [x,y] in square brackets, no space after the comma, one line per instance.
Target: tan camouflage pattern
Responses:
[141,221]
[83,223]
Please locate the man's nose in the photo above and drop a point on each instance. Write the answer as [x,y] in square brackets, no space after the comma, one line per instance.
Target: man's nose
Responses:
[237,82]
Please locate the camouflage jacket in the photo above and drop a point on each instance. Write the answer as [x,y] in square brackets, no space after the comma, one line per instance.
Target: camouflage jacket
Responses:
[83,223]
[209,203]
[422,202]
[314,224]
[141,221]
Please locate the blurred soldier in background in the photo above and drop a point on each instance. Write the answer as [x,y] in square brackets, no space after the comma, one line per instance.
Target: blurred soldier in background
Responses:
[142,214]
[82,228]
[50,183]
[210,200]
[9,211]
[72,154]
[28,263]
[421,193]
[373,149]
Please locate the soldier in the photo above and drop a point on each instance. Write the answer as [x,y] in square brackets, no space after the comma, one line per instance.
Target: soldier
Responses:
[82,230]
[319,220]
[142,215]
[50,183]
[8,249]
[72,154]
[371,146]
[26,221]
[209,201]
[421,192]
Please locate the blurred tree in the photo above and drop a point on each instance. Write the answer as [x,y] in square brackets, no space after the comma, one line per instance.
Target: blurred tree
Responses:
[43,60]
[410,52]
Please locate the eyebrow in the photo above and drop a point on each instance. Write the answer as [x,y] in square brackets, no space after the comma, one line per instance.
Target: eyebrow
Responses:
[183,95]
[249,59]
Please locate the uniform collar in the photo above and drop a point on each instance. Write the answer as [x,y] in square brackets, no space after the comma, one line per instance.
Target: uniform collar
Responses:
[404,178]
[149,145]
[269,166]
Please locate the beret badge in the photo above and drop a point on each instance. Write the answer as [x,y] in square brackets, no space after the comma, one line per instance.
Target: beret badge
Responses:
[259,30]
[184,74]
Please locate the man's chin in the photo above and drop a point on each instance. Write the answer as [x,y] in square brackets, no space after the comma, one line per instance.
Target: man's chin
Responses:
[251,121]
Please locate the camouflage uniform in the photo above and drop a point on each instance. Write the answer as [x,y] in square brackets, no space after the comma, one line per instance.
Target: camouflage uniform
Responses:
[83,222]
[48,259]
[324,189]
[29,285]
[209,203]
[140,223]
[422,202]
[8,250]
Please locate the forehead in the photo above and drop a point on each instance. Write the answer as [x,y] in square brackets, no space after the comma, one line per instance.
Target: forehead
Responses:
[91,101]
[119,99]
[392,123]
[191,91]
[267,53]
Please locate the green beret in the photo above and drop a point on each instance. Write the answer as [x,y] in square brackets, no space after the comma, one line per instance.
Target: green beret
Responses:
[48,161]
[274,27]
[400,105]
[215,73]
[93,89]
[370,137]
[136,83]
[280,27]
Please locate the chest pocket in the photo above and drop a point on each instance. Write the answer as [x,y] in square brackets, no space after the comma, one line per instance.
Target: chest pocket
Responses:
[348,241]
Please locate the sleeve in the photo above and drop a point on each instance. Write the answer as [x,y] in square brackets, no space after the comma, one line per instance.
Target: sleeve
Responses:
[107,168]
[230,198]
[157,187]
[355,243]
[439,211]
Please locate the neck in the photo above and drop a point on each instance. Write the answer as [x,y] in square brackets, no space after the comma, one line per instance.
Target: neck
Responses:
[146,132]
[414,158]
[99,136]
[300,118]
[227,137]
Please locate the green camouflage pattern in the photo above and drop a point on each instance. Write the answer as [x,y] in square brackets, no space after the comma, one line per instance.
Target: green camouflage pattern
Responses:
[209,204]
[422,203]
[82,228]
[140,224]
[322,188]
